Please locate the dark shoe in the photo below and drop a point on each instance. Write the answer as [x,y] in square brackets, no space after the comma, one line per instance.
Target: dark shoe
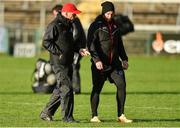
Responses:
[70,120]
[45,117]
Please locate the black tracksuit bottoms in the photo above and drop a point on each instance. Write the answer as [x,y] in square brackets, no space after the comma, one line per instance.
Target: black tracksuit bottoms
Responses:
[98,79]
[62,94]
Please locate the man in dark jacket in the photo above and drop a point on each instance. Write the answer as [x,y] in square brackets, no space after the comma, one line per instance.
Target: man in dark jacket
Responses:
[79,38]
[58,40]
[106,47]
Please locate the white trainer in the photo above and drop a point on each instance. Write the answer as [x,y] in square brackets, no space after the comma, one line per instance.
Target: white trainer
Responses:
[123,119]
[95,119]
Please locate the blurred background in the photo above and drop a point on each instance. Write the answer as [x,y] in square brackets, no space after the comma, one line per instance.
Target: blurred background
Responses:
[156,22]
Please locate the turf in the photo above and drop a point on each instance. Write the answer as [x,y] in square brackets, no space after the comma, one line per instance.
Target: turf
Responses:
[153,95]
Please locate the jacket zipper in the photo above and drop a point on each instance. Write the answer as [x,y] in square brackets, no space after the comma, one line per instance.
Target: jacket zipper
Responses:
[111,41]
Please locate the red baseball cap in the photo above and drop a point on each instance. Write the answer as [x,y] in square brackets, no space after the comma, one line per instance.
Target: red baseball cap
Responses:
[69,7]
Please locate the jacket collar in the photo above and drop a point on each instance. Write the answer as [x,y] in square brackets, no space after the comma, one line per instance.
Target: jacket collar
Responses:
[100,18]
[64,20]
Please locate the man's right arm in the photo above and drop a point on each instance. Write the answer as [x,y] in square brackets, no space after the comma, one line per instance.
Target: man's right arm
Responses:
[49,39]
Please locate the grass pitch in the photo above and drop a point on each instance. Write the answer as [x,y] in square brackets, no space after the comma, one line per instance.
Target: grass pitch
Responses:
[153,95]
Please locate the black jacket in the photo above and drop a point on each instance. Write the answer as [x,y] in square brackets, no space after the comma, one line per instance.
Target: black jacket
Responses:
[58,40]
[104,44]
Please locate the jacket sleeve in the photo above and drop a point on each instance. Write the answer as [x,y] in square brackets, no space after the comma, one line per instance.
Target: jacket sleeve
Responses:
[93,41]
[49,39]
[122,52]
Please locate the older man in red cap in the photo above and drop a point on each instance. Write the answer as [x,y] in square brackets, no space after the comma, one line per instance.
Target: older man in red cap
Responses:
[79,37]
[58,40]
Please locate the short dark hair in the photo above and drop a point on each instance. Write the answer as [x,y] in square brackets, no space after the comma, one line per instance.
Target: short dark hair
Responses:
[57,7]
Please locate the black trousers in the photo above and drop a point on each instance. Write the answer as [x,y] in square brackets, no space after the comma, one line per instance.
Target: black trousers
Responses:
[62,94]
[98,79]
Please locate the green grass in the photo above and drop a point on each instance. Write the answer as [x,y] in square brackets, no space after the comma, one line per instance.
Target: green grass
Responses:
[153,95]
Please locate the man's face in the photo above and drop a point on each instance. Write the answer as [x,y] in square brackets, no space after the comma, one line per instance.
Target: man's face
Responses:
[70,15]
[109,15]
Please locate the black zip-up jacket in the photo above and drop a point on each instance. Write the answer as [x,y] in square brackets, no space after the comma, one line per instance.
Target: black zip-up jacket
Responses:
[58,40]
[105,43]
